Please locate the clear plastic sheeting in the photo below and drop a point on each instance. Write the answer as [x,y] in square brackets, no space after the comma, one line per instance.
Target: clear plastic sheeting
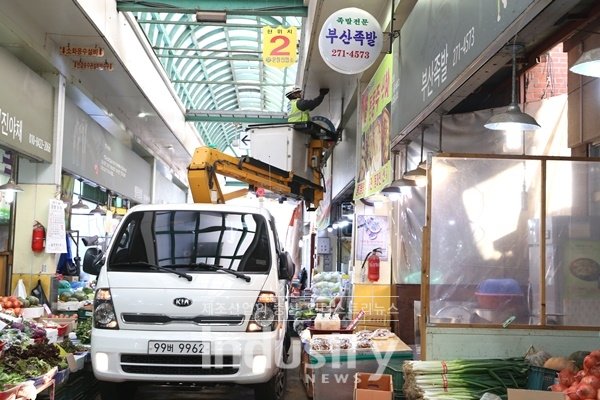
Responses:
[489,251]
[407,224]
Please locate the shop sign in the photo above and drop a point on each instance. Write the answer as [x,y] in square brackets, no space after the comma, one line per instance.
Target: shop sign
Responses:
[440,41]
[80,51]
[93,66]
[279,46]
[26,110]
[92,153]
[350,40]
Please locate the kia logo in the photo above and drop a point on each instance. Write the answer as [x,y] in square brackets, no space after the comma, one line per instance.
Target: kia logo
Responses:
[182,302]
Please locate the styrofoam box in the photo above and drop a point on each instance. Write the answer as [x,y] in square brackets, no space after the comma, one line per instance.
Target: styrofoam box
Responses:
[69,305]
[32,312]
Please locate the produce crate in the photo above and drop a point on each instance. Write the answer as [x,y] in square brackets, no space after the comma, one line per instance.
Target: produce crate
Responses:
[394,368]
[84,313]
[540,378]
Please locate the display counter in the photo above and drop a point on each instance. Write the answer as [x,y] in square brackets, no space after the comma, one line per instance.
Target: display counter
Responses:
[330,374]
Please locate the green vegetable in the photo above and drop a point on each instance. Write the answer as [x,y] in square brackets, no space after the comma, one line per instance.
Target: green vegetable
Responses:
[463,379]
[84,331]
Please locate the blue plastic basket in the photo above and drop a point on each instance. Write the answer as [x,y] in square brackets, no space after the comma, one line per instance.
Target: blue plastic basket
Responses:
[540,378]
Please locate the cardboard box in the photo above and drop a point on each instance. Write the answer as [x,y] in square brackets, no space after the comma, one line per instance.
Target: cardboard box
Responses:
[373,387]
[522,394]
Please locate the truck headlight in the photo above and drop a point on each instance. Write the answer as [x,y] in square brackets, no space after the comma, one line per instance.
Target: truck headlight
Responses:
[264,314]
[104,310]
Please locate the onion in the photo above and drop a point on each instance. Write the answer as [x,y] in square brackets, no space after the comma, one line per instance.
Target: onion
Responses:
[595,370]
[579,376]
[589,361]
[566,378]
[572,393]
[586,391]
[591,380]
[557,387]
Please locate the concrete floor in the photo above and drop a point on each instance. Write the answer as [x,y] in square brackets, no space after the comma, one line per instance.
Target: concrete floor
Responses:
[294,387]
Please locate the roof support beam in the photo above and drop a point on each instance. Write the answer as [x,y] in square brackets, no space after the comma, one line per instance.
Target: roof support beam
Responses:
[249,117]
[284,8]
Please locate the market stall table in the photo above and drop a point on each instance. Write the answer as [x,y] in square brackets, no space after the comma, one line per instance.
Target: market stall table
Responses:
[330,374]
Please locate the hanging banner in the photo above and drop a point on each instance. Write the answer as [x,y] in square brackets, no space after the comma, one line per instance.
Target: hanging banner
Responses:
[374,171]
[350,40]
[56,234]
[279,46]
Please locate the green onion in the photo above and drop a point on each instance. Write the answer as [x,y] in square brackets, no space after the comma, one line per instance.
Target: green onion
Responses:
[463,379]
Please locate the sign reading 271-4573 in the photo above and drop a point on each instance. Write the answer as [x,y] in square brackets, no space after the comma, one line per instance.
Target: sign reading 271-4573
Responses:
[279,46]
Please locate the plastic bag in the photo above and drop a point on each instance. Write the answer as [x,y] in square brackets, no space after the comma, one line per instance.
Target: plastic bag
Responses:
[20,290]
[38,291]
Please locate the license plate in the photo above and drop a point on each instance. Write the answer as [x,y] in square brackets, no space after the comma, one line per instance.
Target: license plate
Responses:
[172,347]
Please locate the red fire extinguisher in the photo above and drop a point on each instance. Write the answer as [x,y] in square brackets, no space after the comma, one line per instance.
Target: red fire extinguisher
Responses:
[373,261]
[38,237]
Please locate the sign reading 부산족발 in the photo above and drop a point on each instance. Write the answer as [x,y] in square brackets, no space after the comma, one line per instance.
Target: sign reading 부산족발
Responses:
[350,40]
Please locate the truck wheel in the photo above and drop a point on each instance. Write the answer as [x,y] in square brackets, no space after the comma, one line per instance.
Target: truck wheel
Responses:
[117,391]
[274,389]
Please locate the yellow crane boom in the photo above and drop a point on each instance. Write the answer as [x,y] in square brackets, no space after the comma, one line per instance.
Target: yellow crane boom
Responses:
[207,162]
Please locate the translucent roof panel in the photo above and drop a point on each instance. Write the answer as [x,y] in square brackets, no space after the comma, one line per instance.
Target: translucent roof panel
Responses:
[219,67]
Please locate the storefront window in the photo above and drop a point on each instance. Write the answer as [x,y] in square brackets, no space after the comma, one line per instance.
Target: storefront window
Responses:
[488,246]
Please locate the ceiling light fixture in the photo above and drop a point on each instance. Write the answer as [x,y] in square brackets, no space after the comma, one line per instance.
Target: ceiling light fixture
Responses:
[98,210]
[80,205]
[142,115]
[513,117]
[211,16]
[588,64]
[9,189]
[399,186]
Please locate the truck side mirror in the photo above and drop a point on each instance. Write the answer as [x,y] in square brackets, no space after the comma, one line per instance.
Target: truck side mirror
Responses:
[92,261]
[286,266]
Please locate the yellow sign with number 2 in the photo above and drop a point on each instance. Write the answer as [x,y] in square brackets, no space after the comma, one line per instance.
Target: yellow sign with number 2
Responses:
[279,46]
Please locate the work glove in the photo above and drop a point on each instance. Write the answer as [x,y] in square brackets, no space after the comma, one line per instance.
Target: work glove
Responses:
[323,92]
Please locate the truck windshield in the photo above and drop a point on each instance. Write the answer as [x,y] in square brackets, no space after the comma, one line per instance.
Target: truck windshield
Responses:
[182,240]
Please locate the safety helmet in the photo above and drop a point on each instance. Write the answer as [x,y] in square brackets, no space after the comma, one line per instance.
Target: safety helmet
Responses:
[292,91]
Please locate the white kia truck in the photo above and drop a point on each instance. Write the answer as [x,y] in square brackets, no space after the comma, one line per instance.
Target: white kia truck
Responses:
[191,294]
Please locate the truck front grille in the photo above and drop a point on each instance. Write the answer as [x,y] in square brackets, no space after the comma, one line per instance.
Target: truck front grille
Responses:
[161,319]
[151,364]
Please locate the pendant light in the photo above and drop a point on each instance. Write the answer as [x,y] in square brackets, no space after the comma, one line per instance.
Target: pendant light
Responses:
[98,210]
[395,189]
[418,174]
[588,64]
[513,117]
[9,189]
[80,205]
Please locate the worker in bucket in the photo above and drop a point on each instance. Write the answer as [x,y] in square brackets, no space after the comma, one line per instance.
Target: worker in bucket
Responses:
[298,108]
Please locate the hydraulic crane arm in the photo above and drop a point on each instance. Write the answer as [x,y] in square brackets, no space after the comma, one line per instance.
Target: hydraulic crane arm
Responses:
[208,162]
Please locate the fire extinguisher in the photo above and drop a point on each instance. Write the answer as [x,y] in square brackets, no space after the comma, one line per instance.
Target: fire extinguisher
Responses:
[373,265]
[373,261]
[38,237]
